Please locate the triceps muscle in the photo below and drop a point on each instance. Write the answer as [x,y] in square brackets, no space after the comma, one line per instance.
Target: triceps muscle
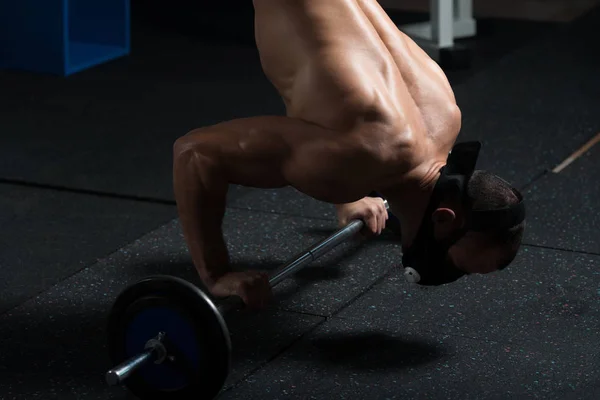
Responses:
[271,152]
[248,152]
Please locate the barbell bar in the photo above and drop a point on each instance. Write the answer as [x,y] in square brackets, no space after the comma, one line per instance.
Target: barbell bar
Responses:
[169,338]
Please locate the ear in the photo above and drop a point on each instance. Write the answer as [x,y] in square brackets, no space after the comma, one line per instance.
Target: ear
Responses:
[444,221]
[443,215]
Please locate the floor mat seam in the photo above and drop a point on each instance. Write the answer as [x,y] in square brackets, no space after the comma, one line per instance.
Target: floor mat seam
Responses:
[97,261]
[284,349]
[88,192]
[582,252]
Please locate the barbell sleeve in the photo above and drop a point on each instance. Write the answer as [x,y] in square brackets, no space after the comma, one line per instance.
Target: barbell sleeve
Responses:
[121,372]
[155,352]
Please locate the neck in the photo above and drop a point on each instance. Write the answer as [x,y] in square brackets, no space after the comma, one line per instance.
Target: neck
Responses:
[408,201]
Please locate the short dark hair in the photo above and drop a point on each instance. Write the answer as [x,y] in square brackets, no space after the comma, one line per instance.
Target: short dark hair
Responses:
[487,192]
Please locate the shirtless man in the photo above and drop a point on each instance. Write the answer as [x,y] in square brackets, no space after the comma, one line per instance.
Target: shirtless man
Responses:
[367,110]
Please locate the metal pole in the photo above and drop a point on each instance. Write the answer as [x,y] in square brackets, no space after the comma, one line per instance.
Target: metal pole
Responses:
[317,250]
[301,260]
[121,372]
[155,353]
[442,22]
[155,350]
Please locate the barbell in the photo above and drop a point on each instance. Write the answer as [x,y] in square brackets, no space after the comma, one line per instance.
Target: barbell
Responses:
[169,338]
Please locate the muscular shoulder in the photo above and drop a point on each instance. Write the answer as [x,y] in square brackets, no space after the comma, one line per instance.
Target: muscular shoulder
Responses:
[402,152]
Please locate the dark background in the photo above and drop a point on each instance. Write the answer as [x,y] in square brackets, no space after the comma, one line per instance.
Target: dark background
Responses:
[86,208]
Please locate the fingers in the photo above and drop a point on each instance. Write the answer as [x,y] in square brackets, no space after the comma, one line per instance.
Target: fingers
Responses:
[265,291]
[370,209]
[371,221]
[380,222]
[255,290]
[383,216]
[375,216]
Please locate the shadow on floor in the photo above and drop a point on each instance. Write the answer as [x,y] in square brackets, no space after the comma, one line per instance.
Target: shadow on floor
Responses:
[323,272]
[368,351]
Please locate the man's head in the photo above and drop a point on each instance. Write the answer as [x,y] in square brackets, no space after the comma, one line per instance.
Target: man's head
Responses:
[474,223]
[483,251]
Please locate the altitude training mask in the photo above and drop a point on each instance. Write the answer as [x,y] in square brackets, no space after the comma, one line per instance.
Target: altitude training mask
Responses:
[426,262]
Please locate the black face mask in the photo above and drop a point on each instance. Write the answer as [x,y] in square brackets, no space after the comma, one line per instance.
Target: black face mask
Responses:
[426,262]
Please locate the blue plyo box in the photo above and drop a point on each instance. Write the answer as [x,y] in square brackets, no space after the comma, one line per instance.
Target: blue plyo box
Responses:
[62,36]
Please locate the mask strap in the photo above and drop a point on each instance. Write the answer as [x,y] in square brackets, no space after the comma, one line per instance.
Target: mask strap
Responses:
[502,218]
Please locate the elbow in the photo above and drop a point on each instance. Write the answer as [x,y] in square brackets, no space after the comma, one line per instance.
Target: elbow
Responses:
[193,157]
[185,156]
[184,147]
[191,148]
[184,161]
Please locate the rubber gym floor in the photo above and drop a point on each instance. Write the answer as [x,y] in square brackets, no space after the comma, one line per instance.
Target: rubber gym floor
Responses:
[87,209]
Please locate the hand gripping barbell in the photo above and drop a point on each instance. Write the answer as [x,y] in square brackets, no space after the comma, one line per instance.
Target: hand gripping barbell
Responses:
[169,338]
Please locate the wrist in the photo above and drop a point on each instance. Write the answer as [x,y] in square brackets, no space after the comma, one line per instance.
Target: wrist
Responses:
[212,262]
[343,206]
[211,279]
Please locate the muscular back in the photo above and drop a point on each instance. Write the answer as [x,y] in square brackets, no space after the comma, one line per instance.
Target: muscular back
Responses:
[340,63]
[367,110]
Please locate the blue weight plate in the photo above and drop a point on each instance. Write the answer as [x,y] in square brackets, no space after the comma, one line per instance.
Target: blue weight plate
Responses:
[196,336]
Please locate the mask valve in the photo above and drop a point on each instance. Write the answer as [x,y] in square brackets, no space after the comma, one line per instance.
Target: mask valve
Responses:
[411,275]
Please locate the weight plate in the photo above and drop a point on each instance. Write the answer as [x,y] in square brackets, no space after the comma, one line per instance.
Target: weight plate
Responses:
[196,337]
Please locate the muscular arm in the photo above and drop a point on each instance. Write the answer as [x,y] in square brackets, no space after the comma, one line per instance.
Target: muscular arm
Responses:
[263,152]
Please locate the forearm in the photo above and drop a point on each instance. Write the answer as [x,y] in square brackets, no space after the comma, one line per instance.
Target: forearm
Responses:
[200,192]
[342,206]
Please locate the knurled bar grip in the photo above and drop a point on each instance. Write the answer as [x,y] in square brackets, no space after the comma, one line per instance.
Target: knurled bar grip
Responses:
[302,259]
